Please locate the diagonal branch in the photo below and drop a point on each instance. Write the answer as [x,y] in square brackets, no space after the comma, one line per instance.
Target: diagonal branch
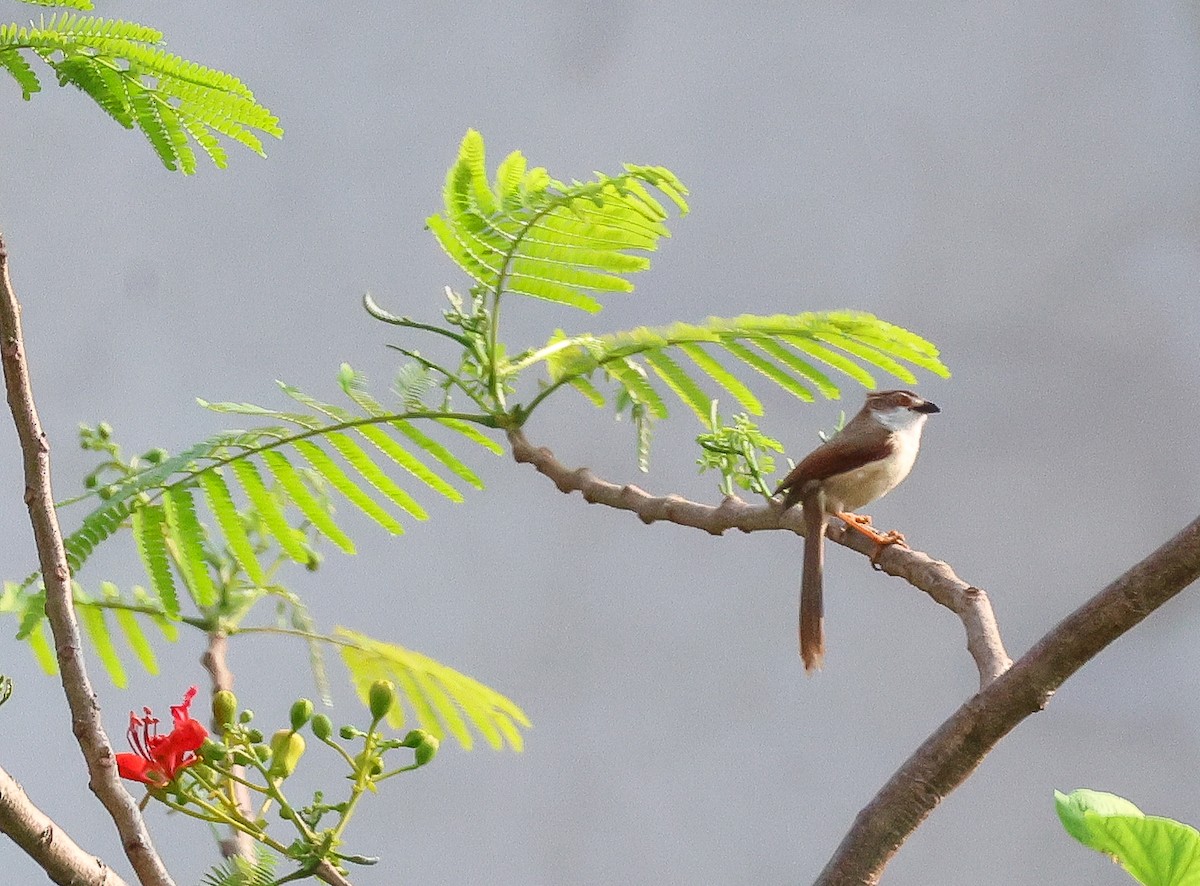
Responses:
[951,754]
[85,712]
[934,577]
[46,843]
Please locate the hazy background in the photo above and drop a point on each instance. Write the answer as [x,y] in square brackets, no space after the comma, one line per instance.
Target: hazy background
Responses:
[1018,181]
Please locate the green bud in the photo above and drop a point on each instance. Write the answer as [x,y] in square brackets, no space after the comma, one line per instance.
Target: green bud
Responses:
[380,698]
[254,735]
[322,727]
[348,732]
[287,747]
[224,709]
[104,429]
[302,712]
[246,716]
[155,456]
[263,752]
[426,750]
[212,751]
[373,765]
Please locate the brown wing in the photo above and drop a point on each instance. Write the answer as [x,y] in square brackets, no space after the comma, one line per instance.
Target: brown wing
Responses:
[827,460]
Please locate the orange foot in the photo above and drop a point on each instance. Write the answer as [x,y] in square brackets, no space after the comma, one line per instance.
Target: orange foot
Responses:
[862,523]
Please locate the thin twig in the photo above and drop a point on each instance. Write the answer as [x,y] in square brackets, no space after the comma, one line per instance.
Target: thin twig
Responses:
[46,843]
[933,577]
[85,711]
[952,753]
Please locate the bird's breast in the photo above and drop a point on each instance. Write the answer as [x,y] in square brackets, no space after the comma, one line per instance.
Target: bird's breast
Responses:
[858,488]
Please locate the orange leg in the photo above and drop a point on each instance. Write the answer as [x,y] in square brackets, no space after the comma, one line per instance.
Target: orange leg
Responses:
[862,523]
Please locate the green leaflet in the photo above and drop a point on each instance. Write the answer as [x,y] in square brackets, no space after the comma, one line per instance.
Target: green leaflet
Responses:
[299,494]
[778,347]
[96,627]
[128,623]
[680,382]
[148,525]
[185,530]
[121,66]
[327,468]
[723,377]
[220,502]
[529,234]
[290,540]
[442,699]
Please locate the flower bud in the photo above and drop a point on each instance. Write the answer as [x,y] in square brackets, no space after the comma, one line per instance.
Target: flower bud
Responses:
[287,747]
[224,709]
[322,727]
[424,745]
[426,750]
[254,735]
[246,716]
[372,764]
[348,732]
[302,712]
[155,456]
[380,698]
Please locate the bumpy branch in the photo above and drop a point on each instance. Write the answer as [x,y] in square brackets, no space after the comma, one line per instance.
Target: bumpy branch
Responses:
[46,843]
[951,754]
[60,612]
[933,577]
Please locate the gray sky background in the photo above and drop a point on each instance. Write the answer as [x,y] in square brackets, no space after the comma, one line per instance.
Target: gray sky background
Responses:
[1018,181]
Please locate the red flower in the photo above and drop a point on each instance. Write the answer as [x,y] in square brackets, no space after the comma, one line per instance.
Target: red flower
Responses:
[159,758]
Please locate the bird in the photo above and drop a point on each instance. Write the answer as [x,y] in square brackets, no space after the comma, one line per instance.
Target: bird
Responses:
[861,463]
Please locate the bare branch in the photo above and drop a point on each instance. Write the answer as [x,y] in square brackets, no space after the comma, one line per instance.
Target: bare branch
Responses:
[48,844]
[934,577]
[85,712]
[951,754]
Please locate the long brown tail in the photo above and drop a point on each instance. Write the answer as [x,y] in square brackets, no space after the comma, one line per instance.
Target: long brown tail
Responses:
[812,604]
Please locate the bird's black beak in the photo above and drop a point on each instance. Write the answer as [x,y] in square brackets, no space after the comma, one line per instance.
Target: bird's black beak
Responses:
[926,407]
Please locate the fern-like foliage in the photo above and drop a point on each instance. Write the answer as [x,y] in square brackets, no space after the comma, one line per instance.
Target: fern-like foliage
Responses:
[177,104]
[358,452]
[802,354]
[442,700]
[530,234]
[239,871]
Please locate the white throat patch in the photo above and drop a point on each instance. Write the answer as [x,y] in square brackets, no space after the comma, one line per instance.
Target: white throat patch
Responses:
[899,418]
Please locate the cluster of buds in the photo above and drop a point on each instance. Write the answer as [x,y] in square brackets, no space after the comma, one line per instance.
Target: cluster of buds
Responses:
[211,778]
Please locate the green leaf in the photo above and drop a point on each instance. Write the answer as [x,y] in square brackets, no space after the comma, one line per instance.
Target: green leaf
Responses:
[188,535]
[42,652]
[723,377]
[13,62]
[338,479]
[1155,851]
[529,234]
[96,627]
[317,513]
[220,502]
[290,540]
[148,525]
[127,621]
[443,700]
[680,382]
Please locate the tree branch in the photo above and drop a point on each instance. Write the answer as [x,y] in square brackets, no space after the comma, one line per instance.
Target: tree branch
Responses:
[215,661]
[46,843]
[934,577]
[952,753]
[85,712]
